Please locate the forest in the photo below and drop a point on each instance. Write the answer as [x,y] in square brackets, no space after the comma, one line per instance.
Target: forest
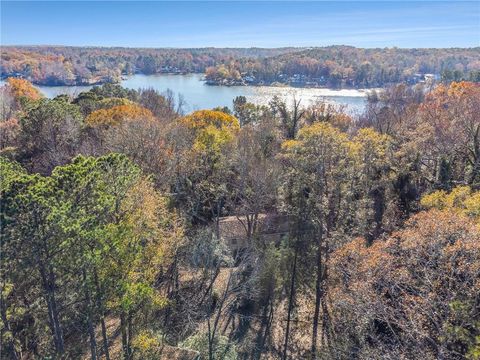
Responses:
[134,230]
[65,65]
[350,67]
[333,66]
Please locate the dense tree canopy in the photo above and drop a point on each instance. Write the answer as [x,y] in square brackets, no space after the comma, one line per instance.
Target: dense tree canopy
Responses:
[131,230]
[414,290]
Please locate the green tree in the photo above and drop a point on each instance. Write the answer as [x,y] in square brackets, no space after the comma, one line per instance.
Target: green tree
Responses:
[50,134]
[95,235]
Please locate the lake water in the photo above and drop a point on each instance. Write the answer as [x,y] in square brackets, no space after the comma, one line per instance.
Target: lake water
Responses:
[197,95]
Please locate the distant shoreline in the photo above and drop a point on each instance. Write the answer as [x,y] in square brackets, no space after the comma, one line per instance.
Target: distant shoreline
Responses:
[206,82]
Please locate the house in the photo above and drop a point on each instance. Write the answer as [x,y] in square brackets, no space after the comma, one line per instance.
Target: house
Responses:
[249,79]
[269,228]
[419,78]
[430,78]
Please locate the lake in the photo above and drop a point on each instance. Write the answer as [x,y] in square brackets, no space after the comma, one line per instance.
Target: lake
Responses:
[197,95]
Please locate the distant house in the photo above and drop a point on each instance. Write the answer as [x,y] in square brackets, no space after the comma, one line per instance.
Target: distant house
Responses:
[233,230]
[420,78]
[429,78]
[249,79]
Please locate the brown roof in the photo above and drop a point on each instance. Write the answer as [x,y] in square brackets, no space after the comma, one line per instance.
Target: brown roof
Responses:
[235,226]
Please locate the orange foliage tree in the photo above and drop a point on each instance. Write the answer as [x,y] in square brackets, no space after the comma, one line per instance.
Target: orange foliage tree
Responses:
[448,132]
[416,292]
[23,88]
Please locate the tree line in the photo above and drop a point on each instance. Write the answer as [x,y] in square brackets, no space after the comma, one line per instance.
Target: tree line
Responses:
[62,65]
[346,66]
[333,66]
[113,208]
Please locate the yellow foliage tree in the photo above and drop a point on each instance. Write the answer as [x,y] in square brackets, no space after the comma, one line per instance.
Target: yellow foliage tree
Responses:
[112,102]
[212,129]
[201,143]
[373,147]
[118,114]
[462,199]
[212,139]
[373,153]
[203,118]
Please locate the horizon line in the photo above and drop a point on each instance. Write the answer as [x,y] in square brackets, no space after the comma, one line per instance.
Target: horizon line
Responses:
[233,47]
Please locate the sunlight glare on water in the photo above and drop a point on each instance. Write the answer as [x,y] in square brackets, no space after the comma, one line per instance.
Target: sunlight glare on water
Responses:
[197,95]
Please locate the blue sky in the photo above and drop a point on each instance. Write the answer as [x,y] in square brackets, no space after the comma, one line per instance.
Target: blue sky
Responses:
[241,24]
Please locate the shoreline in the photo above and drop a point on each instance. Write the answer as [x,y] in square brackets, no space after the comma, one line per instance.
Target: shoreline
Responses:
[274,84]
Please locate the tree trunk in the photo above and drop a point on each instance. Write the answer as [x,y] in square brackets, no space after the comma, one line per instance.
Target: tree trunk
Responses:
[176,278]
[55,313]
[123,330]
[290,303]
[102,316]
[318,295]
[91,331]
[212,332]
[105,337]
[326,316]
[266,331]
[48,283]
[209,288]
[210,341]
[130,335]
[11,345]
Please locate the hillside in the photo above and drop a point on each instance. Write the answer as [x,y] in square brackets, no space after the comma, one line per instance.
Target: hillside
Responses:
[333,66]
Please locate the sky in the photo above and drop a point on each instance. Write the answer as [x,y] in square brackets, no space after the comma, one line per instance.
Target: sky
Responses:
[241,24]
